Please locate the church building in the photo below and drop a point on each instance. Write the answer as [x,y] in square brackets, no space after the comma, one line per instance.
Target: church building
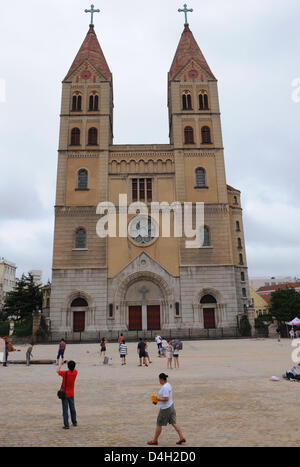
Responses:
[146,282]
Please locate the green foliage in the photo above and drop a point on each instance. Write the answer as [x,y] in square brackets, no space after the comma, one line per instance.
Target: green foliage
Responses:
[23,329]
[23,300]
[4,328]
[285,305]
[263,321]
[245,328]
[43,331]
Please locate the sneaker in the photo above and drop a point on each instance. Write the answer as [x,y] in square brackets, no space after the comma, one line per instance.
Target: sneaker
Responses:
[66,427]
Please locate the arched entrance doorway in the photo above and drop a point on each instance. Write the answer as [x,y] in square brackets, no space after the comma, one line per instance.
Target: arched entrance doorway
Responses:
[144,301]
[79,307]
[208,305]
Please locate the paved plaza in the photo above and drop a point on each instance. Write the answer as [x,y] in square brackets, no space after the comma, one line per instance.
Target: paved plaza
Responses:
[222,392]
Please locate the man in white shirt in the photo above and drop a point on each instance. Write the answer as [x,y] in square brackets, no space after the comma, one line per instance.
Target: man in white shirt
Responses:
[167,412]
[158,342]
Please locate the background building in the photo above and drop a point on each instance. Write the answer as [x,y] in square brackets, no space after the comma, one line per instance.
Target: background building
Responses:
[257,282]
[37,276]
[7,278]
[145,283]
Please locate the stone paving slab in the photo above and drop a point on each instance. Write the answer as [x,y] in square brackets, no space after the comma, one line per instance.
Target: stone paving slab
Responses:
[222,392]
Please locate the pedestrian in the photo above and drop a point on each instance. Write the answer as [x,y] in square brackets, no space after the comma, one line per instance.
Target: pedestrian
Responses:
[167,412]
[176,357]
[170,351]
[147,350]
[164,345]
[123,351]
[103,346]
[61,351]
[68,383]
[121,338]
[29,354]
[142,352]
[292,334]
[5,351]
[278,334]
[158,342]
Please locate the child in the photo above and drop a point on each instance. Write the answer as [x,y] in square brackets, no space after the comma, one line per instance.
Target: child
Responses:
[103,346]
[170,350]
[176,357]
[123,352]
[163,347]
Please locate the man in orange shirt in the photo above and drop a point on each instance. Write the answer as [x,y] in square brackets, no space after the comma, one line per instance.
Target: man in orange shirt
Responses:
[68,384]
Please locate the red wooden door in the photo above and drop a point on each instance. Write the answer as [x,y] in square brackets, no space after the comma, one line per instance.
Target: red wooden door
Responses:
[153,317]
[78,321]
[135,318]
[209,318]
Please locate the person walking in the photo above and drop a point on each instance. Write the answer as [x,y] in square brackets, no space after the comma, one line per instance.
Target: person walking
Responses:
[29,354]
[167,412]
[123,351]
[163,349]
[147,350]
[170,351]
[121,338]
[158,342]
[61,351]
[278,334]
[5,351]
[142,352]
[103,344]
[68,383]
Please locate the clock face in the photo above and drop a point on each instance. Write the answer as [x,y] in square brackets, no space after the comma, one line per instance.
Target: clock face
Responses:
[142,229]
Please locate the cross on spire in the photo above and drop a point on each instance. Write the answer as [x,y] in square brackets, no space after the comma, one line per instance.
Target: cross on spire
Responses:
[92,11]
[185,11]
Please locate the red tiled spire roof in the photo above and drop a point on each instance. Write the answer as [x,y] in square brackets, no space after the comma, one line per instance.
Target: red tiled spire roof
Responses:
[187,50]
[91,52]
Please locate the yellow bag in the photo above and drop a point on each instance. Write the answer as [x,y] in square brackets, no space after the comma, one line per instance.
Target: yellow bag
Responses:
[154,399]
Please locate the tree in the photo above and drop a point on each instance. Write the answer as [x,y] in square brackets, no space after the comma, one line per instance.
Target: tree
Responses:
[285,305]
[23,300]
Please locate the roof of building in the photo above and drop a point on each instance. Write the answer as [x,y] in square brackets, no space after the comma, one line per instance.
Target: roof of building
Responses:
[91,52]
[187,50]
[267,290]
[230,188]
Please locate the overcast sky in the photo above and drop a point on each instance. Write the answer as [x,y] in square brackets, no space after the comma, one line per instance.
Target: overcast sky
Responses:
[252,47]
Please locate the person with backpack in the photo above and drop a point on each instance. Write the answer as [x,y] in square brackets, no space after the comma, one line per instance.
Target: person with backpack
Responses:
[68,383]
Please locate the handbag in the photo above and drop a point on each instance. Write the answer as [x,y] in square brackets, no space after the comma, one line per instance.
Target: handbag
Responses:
[61,394]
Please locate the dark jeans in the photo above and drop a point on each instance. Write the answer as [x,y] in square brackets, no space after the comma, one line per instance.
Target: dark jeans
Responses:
[69,402]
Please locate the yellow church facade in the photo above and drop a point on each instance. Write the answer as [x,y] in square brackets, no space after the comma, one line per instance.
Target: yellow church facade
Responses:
[144,282]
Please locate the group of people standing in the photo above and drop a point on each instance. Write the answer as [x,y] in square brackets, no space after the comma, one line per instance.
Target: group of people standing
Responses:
[168,349]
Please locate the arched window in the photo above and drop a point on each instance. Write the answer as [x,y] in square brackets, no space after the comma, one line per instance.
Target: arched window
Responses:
[235,200]
[200,177]
[188,135]
[82,179]
[75,137]
[205,133]
[237,226]
[241,258]
[94,103]
[208,299]
[206,241]
[239,243]
[187,101]
[79,302]
[80,238]
[93,137]
[203,101]
[242,276]
[76,102]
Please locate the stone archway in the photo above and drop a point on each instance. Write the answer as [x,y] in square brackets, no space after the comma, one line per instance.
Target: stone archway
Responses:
[209,308]
[79,312]
[143,299]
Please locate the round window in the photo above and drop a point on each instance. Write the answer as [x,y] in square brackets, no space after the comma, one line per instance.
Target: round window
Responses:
[142,229]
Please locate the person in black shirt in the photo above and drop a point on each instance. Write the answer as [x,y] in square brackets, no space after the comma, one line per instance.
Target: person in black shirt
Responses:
[141,350]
